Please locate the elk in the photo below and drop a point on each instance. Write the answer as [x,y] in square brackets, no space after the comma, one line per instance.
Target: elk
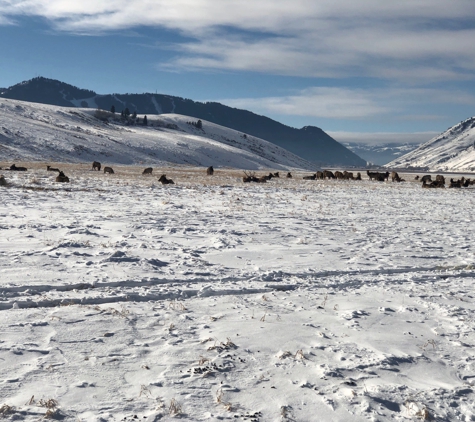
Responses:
[358,176]
[276,175]
[148,170]
[338,175]
[96,165]
[164,181]
[426,178]
[320,175]
[329,174]
[108,170]
[210,171]
[395,177]
[13,167]
[61,177]
[455,183]
[3,181]
[348,175]
[289,175]
[312,177]
[49,168]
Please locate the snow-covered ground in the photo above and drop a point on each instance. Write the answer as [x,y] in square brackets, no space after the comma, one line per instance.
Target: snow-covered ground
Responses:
[39,132]
[211,299]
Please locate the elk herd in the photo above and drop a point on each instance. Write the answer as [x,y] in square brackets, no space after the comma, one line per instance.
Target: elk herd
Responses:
[249,176]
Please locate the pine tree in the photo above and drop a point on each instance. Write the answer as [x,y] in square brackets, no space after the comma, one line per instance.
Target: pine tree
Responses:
[113,109]
[199,124]
[145,121]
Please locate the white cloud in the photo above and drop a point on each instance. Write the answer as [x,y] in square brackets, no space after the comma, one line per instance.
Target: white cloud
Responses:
[350,103]
[407,39]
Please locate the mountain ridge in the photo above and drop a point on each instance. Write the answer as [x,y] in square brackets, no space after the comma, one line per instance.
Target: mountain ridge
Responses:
[452,150]
[310,142]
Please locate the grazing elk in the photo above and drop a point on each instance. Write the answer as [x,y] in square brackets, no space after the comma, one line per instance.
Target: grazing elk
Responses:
[49,168]
[148,170]
[62,178]
[320,175]
[289,175]
[348,175]
[312,177]
[108,170]
[329,174]
[164,181]
[338,175]
[13,167]
[96,165]
[210,171]
[395,177]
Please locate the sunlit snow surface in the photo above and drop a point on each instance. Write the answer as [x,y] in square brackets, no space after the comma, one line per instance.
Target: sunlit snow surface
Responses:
[286,301]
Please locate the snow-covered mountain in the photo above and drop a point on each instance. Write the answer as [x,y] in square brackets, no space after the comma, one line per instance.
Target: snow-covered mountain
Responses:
[309,142]
[39,132]
[453,150]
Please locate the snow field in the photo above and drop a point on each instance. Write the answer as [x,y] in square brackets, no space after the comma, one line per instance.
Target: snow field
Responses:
[216,300]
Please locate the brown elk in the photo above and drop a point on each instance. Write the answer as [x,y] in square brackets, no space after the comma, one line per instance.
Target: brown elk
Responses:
[289,175]
[358,176]
[312,177]
[108,170]
[348,175]
[96,165]
[339,175]
[210,171]
[276,174]
[13,167]
[329,174]
[395,177]
[3,181]
[320,175]
[455,183]
[148,170]
[426,178]
[62,178]
[164,181]
[49,168]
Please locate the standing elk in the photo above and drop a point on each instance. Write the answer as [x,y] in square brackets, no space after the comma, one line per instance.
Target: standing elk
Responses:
[164,181]
[96,165]
[329,174]
[62,178]
[148,170]
[108,170]
[210,171]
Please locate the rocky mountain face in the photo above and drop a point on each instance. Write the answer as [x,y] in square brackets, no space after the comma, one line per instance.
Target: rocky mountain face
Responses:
[451,151]
[309,142]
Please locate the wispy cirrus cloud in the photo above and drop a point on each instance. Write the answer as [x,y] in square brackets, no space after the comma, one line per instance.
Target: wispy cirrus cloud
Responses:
[418,40]
[350,103]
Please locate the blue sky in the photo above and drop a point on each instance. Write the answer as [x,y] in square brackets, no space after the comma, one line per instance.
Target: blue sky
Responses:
[366,70]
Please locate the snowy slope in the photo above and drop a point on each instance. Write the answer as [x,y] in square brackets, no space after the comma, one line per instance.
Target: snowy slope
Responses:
[38,132]
[453,150]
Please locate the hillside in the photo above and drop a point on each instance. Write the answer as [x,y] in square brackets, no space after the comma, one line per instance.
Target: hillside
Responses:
[38,132]
[309,142]
[453,150]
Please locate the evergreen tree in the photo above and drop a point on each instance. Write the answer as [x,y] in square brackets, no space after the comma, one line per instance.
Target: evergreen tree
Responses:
[126,112]
[134,116]
[199,124]
[113,109]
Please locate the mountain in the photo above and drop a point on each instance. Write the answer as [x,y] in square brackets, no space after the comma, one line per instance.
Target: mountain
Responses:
[309,142]
[453,150]
[380,154]
[40,132]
